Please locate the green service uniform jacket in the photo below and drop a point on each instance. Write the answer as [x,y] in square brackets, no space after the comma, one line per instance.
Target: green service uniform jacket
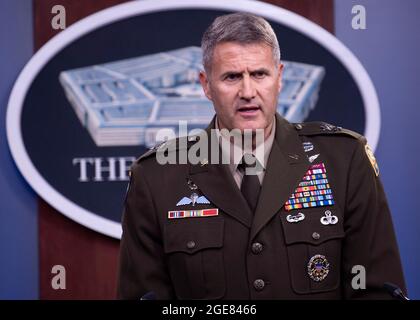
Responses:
[285,250]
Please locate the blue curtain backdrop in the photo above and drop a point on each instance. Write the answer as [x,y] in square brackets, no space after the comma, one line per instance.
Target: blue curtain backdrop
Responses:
[388,49]
[18,205]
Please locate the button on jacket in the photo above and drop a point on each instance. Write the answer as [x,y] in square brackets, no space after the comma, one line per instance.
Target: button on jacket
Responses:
[293,251]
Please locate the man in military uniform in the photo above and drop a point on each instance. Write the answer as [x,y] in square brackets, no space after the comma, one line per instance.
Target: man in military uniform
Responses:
[298,228]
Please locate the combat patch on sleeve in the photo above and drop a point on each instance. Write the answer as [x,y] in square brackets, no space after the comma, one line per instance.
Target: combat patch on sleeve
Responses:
[372,159]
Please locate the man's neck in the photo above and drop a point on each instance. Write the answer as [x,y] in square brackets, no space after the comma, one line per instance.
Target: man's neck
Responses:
[267,133]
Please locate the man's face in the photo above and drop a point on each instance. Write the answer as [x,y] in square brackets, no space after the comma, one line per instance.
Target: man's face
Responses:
[243,85]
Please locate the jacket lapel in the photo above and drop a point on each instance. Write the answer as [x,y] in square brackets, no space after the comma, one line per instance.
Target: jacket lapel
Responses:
[216,182]
[286,166]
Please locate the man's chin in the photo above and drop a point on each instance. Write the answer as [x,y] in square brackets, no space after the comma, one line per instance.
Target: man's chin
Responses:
[250,125]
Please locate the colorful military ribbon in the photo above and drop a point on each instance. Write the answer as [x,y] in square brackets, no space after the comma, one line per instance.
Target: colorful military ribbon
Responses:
[313,191]
[192,213]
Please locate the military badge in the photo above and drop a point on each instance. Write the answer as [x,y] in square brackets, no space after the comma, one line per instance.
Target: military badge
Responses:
[308,146]
[318,268]
[204,162]
[372,159]
[313,158]
[313,191]
[329,218]
[193,199]
[295,218]
[191,184]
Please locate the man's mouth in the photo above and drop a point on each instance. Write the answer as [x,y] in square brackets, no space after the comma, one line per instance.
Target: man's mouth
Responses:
[249,109]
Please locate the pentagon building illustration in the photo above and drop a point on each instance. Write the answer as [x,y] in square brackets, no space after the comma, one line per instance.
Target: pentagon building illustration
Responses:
[126,102]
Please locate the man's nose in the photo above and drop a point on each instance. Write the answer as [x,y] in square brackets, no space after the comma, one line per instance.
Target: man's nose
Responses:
[247,90]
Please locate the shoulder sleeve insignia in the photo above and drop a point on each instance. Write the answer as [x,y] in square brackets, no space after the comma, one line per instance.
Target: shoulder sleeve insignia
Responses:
[372,159]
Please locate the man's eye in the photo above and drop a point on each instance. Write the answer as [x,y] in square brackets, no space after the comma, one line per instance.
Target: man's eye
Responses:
[259,74]
[232,76]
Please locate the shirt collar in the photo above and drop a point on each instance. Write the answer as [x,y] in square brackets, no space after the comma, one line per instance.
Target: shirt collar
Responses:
[235,151]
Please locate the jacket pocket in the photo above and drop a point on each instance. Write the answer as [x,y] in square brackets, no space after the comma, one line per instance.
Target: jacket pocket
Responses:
[314,249]
[195,258]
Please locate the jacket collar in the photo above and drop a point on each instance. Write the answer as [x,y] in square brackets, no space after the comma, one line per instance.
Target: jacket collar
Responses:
[287,164]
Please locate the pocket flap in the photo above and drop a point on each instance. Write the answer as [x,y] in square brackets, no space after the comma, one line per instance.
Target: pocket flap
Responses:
[310,229]
[193,234]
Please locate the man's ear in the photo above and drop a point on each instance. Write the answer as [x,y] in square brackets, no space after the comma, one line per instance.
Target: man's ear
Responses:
[205,84]
[280,70]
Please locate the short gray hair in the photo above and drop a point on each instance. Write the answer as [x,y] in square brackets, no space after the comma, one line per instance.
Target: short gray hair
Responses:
[240,27]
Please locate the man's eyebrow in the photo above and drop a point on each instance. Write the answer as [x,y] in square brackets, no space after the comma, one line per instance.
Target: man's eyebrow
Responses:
[262,70]
[230,73]
[235,73]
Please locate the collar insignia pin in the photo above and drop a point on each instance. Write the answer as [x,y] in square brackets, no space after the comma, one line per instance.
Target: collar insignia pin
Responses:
[308,146]
[313,158]
[191,185]
[204,162]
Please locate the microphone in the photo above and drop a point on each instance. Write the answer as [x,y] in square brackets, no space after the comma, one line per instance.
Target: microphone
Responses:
[149,296]
[395,291]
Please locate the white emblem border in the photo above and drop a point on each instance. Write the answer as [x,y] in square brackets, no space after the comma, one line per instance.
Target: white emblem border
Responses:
[130,9]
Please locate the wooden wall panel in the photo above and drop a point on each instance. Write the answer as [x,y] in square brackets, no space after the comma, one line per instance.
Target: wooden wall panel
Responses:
[90,258]
[319,11]
[75,10]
